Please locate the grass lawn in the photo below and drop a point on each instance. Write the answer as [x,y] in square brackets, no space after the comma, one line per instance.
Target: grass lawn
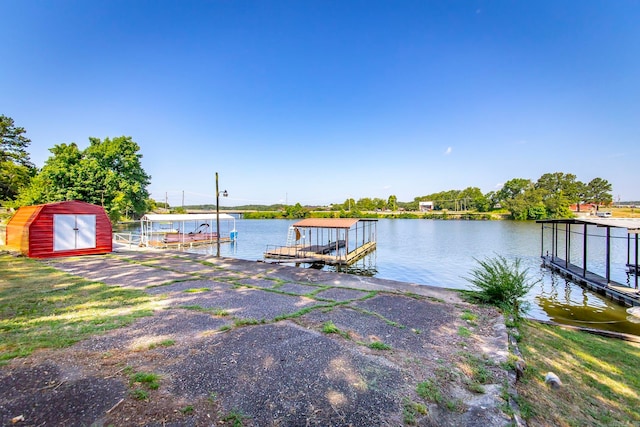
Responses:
[41,307]
[600,376]
[625,212]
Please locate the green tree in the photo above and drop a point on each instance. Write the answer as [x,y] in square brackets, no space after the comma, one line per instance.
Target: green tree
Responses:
[527,205]
[513,188]
[349,204]
[379,203]
[365,204]
[474,199]
[392,203]
[295,212]
[598,191]
[115,168]
[16,168]
[559,190]
[107,173]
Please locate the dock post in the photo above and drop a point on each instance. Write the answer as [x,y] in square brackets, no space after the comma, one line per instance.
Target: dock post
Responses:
[584,252]
[628,249]
[542,239]
[554,240]
[567,244]
[636,265]
[608,260]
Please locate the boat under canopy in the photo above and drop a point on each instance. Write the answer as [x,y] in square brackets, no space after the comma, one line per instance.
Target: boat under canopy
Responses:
[162,230]
[333,241]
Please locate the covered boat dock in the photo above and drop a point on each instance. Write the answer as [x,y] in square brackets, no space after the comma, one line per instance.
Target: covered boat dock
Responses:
[166,230]
[332,241]
[558,232]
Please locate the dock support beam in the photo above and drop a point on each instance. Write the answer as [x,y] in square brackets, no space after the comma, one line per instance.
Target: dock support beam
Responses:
[554,241]
[584,252]
[608,260]
[567,244]
[636,265]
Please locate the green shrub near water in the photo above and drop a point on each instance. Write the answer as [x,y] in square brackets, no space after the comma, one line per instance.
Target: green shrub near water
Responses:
[501,282]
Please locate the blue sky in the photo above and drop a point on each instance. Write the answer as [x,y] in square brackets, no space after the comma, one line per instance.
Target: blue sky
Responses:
[317,101]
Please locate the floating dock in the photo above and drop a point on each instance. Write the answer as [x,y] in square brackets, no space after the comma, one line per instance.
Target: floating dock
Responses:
[560,260]
[331,241]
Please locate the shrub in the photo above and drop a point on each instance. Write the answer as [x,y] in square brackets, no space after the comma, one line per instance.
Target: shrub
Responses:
[501,283]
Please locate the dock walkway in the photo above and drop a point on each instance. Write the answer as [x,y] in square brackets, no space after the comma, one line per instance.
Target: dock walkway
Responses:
[616,291]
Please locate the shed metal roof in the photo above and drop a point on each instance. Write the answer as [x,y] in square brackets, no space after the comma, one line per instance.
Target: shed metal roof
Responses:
[329,222]
[184,217]
[631,224]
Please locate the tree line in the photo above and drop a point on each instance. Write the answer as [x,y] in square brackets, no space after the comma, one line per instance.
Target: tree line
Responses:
[109,173]
[549,197]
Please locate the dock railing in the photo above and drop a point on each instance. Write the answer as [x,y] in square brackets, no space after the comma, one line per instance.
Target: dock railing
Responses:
[130,238]
[284,252]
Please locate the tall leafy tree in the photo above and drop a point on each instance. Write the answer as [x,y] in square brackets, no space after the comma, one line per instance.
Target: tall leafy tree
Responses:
[16,168]
[527,205]
[598,191]
[513,188]
[107,173]
[474,199]
[559,190]
[392,202]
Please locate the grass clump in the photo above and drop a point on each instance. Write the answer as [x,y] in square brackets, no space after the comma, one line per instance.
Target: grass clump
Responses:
[187,410]
[148,379]
[234,417]
[502,283]
[429,390]
[196,290]
[470,317]
[41,307]
[330,328]
[247,322]
[164,343]
[210,310]
[378,345]
[410,410]
[140,394]
[464,332]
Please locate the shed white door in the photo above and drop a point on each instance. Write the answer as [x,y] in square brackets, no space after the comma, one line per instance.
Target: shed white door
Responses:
[74,232]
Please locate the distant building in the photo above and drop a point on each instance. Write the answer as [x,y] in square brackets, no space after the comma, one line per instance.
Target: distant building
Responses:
[425,206]
[583,207]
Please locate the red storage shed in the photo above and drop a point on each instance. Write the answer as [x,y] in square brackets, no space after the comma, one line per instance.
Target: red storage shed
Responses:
[60,229]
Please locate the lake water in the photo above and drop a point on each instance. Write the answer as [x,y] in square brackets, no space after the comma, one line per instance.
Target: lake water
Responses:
[442,253]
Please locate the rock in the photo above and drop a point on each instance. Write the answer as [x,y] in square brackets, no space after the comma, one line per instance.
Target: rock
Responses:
[553,380]
[520,368]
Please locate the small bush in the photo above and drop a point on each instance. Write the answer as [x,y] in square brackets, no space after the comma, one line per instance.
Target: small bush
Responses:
[501,283]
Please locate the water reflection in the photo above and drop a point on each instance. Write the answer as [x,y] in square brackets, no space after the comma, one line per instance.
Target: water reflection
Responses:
[363,267]
[565,302]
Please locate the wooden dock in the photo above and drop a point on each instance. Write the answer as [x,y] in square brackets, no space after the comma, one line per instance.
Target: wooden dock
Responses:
[337,241]
[619,292]
[324,254]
